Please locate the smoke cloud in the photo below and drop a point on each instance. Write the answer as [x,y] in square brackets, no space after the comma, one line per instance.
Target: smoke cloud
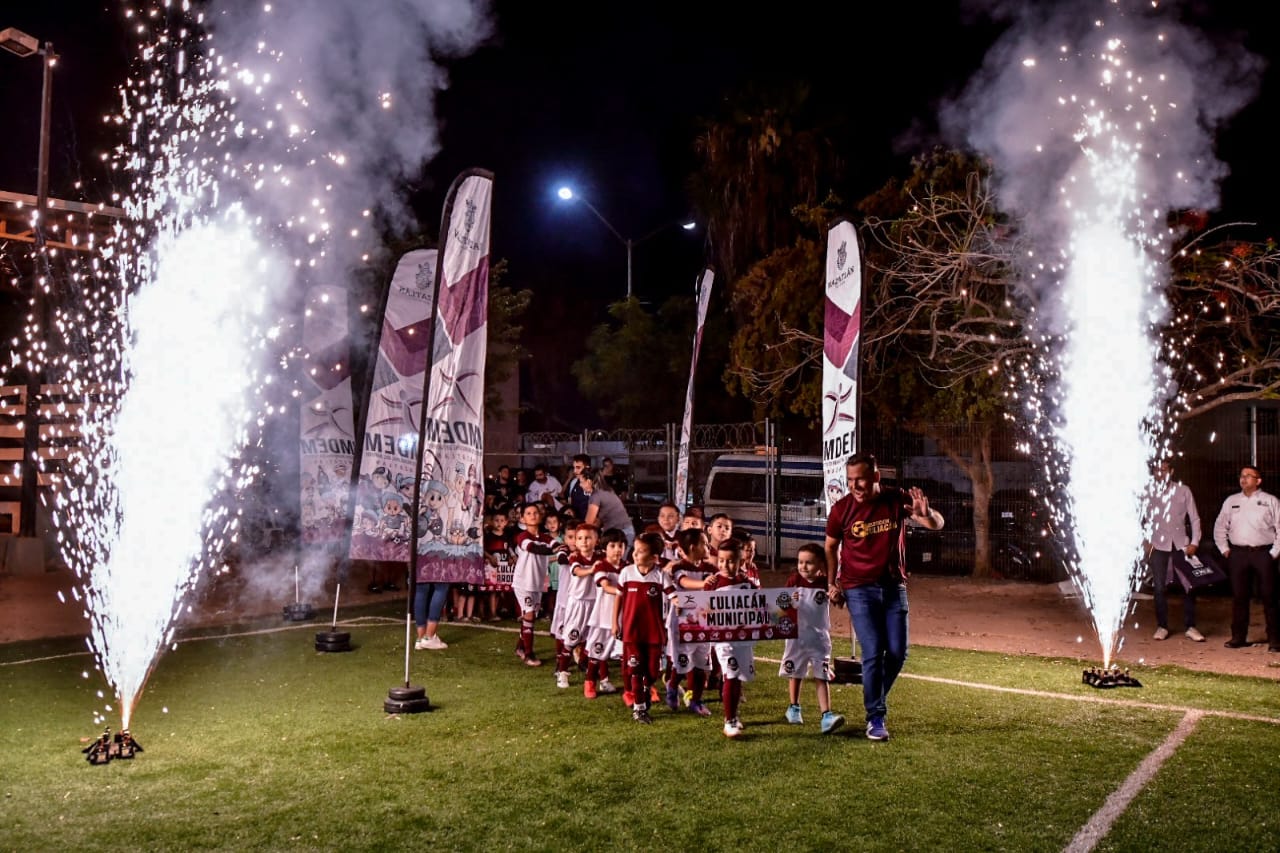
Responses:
[1181,82]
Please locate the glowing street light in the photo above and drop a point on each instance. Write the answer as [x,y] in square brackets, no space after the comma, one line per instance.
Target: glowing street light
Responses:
[21,44]
[567,194]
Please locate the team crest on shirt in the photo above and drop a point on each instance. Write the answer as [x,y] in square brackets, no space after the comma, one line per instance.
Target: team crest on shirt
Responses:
[683,660]
[598,648]
[633,661]
[820,597]
[789,666]
[731,663]
[654,591]
[573,635]
[862,529]
[528,602]
[784,601]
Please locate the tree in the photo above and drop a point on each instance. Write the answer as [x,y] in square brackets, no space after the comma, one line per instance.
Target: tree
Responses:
[637,365]
[944,315]
[765,154]
[775,355]
[1222,339]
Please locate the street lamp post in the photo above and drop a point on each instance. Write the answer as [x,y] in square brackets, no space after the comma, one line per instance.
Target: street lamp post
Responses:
[567,194]
[21,44]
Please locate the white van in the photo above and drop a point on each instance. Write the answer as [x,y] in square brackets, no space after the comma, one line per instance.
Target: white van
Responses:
[746,487]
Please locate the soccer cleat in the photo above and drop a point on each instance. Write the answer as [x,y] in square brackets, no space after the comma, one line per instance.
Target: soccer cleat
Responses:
[1161,633]
[876,729]
[628,698]
[793,715]
[732,728]
[673,698]
[1194,636]
[532,660]
[832,721]
[1233,644]
[654,696]
[700,709]
[606,687]
[435,643]
[687,696]
[562,680]
[521,653]
[589,689]
[641,715]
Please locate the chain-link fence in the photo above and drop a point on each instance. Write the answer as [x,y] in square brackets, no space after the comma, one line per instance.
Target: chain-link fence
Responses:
[1016,533]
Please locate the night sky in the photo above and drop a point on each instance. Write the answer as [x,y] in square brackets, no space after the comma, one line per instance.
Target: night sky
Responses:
[607,97]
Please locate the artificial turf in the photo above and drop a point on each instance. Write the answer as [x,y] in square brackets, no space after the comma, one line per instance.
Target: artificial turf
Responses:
[259,742]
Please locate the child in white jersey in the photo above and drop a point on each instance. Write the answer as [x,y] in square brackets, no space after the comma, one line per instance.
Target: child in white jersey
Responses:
[811,649]
[576,600]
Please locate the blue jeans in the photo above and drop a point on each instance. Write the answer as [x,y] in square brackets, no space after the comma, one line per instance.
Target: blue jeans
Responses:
[880,620]
[428,602]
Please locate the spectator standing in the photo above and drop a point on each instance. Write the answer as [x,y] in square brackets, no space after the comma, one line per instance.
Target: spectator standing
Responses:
[573,494]
[1172,508]
[1247,533]
[604,508]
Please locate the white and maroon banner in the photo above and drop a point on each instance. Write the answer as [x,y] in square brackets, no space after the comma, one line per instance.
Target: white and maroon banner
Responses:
[681,496]
[384,492]
[840,358]
[327,435]
[450,523]
[736,615]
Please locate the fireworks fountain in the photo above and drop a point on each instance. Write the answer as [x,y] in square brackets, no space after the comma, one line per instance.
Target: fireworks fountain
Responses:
[1097,137]
[240,189]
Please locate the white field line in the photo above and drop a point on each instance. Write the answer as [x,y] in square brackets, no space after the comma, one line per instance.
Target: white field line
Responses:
[973,685]
[1100,700]
[1100,824]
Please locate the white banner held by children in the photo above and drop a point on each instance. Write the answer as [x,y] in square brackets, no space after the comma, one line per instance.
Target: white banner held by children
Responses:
[384,492]
[450,520]
[327,433]
[737,615]
[843,322]
[681,495]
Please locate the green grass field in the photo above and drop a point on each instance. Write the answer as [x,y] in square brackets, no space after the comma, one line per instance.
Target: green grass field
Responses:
[268,745]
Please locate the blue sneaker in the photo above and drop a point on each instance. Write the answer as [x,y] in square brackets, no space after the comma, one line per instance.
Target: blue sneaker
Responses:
[876,729]
[793,715]
[832,721]
[673,698]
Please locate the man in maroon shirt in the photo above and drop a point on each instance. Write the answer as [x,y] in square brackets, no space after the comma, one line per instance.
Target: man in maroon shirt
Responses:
[866,540]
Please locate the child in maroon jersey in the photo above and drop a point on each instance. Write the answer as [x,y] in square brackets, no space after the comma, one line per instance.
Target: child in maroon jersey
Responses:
[737,659]
[641,587]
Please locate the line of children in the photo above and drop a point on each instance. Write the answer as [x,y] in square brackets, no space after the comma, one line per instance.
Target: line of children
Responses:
[605,602]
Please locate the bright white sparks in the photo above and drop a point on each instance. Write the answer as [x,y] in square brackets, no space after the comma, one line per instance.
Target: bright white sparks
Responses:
[1108,365]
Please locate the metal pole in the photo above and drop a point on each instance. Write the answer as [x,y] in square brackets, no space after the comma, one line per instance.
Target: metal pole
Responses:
[630,243]
[31,420]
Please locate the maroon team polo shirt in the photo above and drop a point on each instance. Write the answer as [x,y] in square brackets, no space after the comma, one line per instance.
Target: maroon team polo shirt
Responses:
[872,537]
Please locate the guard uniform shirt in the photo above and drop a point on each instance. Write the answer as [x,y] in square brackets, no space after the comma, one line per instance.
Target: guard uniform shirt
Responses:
[1250,522]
